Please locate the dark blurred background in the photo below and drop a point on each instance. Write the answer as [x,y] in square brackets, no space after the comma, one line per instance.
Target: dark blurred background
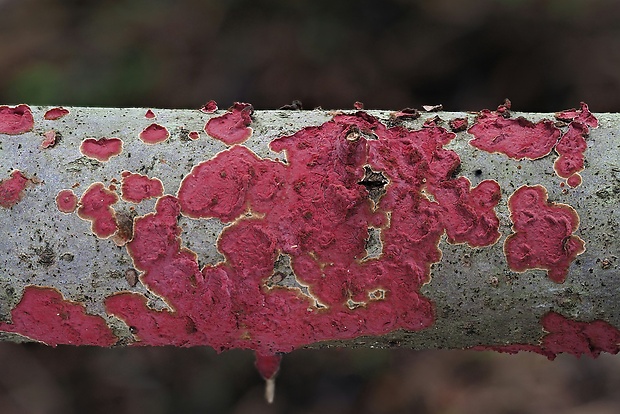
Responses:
[545,55]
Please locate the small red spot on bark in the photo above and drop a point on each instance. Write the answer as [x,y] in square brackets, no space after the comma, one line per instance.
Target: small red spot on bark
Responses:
[358,105]
[193,135]
[49,139]
[517,138]
[458,124]
[136,188]
[574,180]
[12,189]
[66,201]
[543,234]
[267,365]
[149,114]
[209,107]
[44,315]
[232,127]
[95,206]
[154,134]
[55,113]
[101,149]
[15,120]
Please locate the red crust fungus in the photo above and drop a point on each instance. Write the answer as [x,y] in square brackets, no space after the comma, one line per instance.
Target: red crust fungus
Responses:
[55,113]
[101,149]
[518,138]
[579,338]
[316,210]
[95,206]
[469,215]
[209,107]
[572,145]
[15,120]
[193,135]
[149,114]
[543,234]
[581,115]
[495,131]
[66,201]
[154,134]
[458,124]
[12,189]
[267,364]
[44,315]
[49,139]
[568,336]
[135,187]
[232,127]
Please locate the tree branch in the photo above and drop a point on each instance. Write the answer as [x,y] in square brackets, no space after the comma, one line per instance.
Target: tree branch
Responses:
[273,230]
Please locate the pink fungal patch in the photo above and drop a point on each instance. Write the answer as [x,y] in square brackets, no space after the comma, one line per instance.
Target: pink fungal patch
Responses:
[579,338]
[517,138]
[574,180]
[135,187]
[469,215]
[55,113]
[316,210]
[193,135]
[268,365]
[568,336]
[49,139]
[209,107]
[66,201]
[219,188]
[495,131]
[12,189]
[543,234]
[149,114]
[581,115]
[44,315]
[458,124]
[101,149]
[572,145]
[154,134]
[15,120]
[95,206]
[232,127]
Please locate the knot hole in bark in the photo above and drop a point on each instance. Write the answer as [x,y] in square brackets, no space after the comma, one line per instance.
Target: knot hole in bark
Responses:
[375,183]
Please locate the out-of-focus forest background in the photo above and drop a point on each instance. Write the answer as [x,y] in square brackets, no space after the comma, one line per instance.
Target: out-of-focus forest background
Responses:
[545,55]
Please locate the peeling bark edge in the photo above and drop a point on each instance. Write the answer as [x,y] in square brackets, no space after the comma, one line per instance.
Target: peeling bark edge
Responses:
[477,299]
